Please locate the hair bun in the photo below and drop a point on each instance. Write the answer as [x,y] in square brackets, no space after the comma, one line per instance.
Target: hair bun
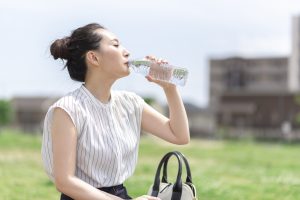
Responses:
[59,48]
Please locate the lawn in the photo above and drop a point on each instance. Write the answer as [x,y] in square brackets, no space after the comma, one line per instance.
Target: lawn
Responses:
[221,169]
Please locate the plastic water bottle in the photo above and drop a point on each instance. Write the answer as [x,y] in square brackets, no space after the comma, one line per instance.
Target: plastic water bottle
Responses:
[163,72]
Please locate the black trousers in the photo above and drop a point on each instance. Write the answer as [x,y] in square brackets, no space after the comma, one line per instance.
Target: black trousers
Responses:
[118,190]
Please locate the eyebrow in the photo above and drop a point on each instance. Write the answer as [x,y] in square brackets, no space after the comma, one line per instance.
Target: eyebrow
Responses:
[115,40]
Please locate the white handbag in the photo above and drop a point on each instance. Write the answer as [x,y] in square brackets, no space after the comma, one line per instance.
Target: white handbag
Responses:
[173,191]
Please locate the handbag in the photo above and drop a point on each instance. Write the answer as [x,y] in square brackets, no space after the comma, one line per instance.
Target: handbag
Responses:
[173,191]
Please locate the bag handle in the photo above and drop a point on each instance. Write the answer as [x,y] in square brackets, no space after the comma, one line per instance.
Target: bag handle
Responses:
[177,188]
[188,172]
[187,166]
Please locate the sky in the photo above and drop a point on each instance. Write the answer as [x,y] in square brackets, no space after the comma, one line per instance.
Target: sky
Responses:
[186,33]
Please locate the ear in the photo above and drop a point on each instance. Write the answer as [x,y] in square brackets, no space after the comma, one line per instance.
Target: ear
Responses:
[92,58]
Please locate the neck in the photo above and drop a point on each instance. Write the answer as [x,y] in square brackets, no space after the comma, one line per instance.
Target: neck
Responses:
[100,89]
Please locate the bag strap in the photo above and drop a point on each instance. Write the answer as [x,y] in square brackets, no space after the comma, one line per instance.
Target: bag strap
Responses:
[187,166]
[177,188]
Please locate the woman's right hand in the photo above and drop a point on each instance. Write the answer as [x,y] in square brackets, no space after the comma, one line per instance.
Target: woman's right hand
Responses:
[147,197]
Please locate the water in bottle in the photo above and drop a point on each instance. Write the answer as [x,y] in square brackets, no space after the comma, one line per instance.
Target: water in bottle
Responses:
[164,72]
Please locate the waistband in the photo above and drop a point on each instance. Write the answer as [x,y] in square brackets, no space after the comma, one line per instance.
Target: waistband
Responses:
[117,190]
[112,188]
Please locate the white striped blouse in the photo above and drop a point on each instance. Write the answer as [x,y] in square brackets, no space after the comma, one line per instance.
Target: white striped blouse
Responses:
[107,136]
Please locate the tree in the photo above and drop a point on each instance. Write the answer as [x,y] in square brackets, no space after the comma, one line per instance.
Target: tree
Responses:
[6,113]
[149,100]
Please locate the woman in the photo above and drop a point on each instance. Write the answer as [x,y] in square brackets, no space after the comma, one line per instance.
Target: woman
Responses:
[91,136]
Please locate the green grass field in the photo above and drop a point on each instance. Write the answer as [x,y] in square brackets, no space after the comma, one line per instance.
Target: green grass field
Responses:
[221,169]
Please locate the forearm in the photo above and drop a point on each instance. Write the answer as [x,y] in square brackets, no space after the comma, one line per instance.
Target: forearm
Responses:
[80,190]
[177,115]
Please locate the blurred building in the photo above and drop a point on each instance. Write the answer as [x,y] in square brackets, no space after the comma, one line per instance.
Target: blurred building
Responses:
[294,60]
[29,112]
[201,121]
[257,96]
[265,116]
[239,75]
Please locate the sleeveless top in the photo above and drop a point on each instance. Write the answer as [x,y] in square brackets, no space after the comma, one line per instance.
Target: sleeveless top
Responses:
[107,136]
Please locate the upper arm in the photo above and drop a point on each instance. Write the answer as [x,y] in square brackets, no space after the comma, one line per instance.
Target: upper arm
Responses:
[157,124]
[64,140]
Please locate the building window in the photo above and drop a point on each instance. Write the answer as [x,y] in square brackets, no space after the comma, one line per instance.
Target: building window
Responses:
[235,79]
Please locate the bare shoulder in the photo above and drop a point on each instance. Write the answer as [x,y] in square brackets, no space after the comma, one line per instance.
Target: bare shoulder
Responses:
[61,119]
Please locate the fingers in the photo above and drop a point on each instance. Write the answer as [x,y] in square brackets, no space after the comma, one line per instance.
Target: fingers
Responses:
[149,78]
[152,198]
[147,197]
[159,73]
[157,60]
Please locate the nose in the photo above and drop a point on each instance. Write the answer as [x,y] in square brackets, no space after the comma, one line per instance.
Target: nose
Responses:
[126,53]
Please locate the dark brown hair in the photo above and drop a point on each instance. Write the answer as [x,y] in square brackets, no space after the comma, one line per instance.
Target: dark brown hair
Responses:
[74,48]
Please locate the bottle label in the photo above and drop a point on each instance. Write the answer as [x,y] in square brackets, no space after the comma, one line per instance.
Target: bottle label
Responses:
[141,62]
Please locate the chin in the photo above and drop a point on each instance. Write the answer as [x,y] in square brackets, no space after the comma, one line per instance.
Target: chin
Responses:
[127,72]
[124,74]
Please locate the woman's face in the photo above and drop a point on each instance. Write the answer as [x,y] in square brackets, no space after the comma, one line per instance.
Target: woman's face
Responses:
[113,57]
